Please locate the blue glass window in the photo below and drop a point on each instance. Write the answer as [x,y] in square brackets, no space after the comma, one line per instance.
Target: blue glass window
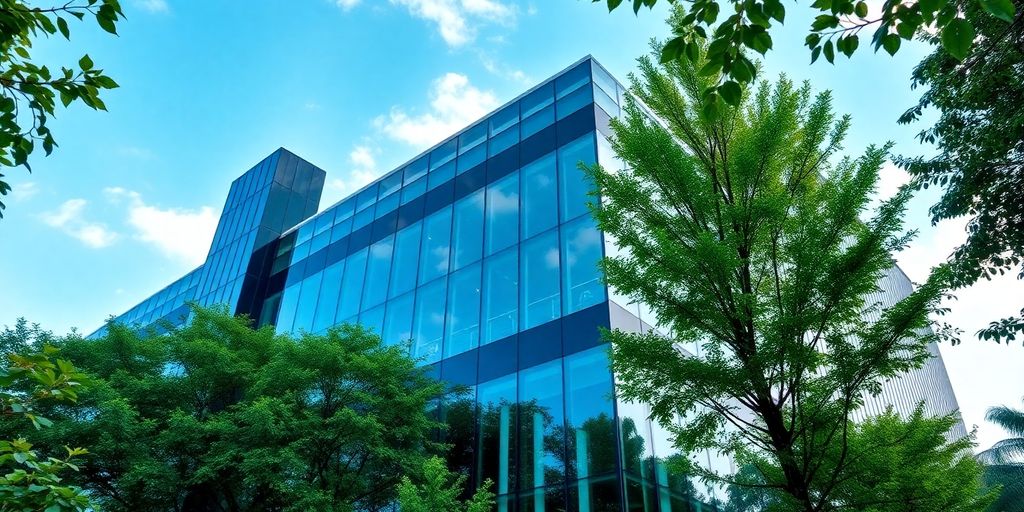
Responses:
[472,136]
[572,80]
[603,80]
[541,300]
[352,285]
[387,205]
[543,96]
[428,321]
[414,190]
[501,295]
[319,242]
[286,313]
[305,232]
[581,277]
[573,102]
[497,399]
[589,416]
[541,425]
[367,197]
[540,194]
[300,252]
[390,184]
[440,175]
[468,230]
[307,302]
[373,319]
[330,289]
[607,103]
[463,319]
[443,154]
[503,141]
[406,260]
[537,122]
[437,233]
[502,227]
[344,210]
[398,320]
[324,222]
[574,184]
[341,229]
[504,119]
[416,169]
[472,158]
[363,218]
[378,267]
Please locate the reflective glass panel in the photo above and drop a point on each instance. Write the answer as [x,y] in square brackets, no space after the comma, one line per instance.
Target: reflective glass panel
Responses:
[373,319]
[472,158]
[463,322]
[502,227]
[504,118]
[472,136]
[286,315]
[537,122]
[540,194]
[378,267]
[573,102]
[352,285]
[443,154]
[416,169]
[330,289]
[572,79]
[406,260]
[501,295]
[441,175]
[497,399]
[541,300]
[541,426]
[543,96]
[574,184]
[468,230]
[437,232]
[589,416]
[428,321]
[581,277]
[414,190]
[398,320]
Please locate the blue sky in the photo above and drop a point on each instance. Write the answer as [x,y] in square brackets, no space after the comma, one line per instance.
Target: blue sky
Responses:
[129,200]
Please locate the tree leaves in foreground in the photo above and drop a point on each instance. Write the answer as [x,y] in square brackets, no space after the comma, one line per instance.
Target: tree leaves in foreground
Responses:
[440,490]
[903,465]
[30,480]
[30,90]
[219,416]
[979,135]
[743,233]
[731,29]
[1004,461]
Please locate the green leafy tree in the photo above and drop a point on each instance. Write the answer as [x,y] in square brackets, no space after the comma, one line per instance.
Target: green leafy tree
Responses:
[979,135]
[732,29]
[28,479]
[743,233]
[440,490]
[902,465]
[30,91]
[219,416]
[1004,461]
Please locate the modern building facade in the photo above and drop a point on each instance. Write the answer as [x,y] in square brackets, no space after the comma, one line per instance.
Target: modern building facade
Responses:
[481,251]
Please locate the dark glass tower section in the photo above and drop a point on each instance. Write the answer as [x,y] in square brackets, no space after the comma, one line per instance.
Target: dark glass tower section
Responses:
[481,255]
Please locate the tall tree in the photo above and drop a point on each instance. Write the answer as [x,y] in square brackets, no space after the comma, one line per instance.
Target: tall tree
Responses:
[731,29]
[980,139]
[219,416]
[28,89]
[439,489]
[1004,461]
[743,232]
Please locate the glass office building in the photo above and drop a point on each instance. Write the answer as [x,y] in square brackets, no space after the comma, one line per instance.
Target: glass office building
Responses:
[481,252]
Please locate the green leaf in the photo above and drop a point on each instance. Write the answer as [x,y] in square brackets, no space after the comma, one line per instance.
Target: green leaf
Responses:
[1002,9]
[711,68]
[63,27]
[709,106]
[957,37]
[673,49]
[731,92]
[761,43]
[829,51]
[612,4]
[850,45]
[85,63]
[891,43]
[906,30]
[861,9]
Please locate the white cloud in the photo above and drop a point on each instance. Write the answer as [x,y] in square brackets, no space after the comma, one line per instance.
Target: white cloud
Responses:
[347,5]
[154,6]
[364,170]
[180,234]
[454,103]
[135,152]
[24,191]
[457,20]
[502,70]
[70,219]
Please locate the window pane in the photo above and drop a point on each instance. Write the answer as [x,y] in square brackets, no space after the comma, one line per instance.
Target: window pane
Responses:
[574,183]
[443,154]
[472,136]
[398,320]
[503,141]
[286,316]
[366,197]
[541,426]
[352,285]
[590,421]
[540,192]
[414,190]
[502,213]
[373,319]
[441,175]
[330,289]
[501,295]
[573,102]
[463,320]
[416,169]
[572,79]
[538,99]
[497,432]
[539,270]
[387,205]
[390,184]
[307,302]
[468,230]
[319,242]
[537,122]
[428,322]
[437,233]
[472,158]
[363,218]
[504,118]
[581,252]
[407,251]
[377,269]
